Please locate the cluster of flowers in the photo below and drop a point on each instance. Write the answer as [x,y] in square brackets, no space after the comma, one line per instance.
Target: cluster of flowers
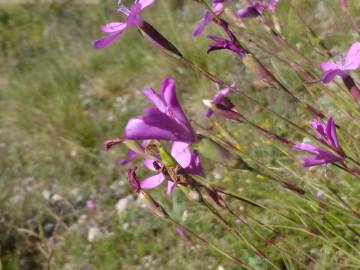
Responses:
[167,120]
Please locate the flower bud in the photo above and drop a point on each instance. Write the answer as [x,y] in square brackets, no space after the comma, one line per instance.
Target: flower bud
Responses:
[111,143]
[223,110]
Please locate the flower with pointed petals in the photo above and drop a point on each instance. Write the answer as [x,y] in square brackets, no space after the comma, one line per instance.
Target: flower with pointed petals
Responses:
[187,159]
[116,29]
[217,8]
[350,62]
[319,156]
[165,121]
[225,44]
[258,8]
[327,135]
[221,98]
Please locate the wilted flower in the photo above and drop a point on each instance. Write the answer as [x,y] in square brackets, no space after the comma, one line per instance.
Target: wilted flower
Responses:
[327,135]
[116,29]
[217,8]
[165,121]
[187,159]
[221,98]
[224,44]
[258,8]
[134,183]
[350,62]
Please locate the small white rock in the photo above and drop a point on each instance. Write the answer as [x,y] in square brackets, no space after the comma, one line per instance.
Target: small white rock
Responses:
[121,205]
[57,198]
[93,234]
[46,194]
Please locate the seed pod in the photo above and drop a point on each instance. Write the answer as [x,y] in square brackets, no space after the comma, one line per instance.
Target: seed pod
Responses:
[159,39]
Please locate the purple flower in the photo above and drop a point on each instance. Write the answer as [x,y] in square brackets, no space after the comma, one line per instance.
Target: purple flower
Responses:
[221,98]
[350,62]
[90,204]
[116,29]
[326,135]
[165,121]
[224,44]
[217,8]
[258,8]
[319,156]
[344,4]
[187,159]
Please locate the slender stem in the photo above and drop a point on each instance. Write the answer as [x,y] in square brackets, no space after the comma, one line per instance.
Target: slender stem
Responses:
[207,243]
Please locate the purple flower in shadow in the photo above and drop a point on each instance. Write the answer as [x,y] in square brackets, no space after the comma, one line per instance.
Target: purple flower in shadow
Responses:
[165,121]
[225,44]
[326,135]
[221,98]
[187,159]
[258,8]
[217,8]
[350,62]
[116,29]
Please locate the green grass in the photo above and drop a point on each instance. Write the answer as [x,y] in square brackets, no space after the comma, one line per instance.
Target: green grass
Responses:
[60,99]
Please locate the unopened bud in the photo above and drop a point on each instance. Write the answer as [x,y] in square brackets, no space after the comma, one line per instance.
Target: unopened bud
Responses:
[159,39]
[223,110]
[111,143]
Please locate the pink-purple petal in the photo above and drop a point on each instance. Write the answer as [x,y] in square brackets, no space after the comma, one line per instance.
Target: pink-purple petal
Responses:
[136,129]
[330,75]
[106,41]
[328,66]
[152,181]
[331,133]
[352,60]
[156,99]
[145,3]
[170,187]
[149,163]
[153,117]
[182,154]
[113,27]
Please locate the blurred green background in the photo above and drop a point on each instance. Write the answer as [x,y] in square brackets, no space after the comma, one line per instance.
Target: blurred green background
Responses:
[60,100]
